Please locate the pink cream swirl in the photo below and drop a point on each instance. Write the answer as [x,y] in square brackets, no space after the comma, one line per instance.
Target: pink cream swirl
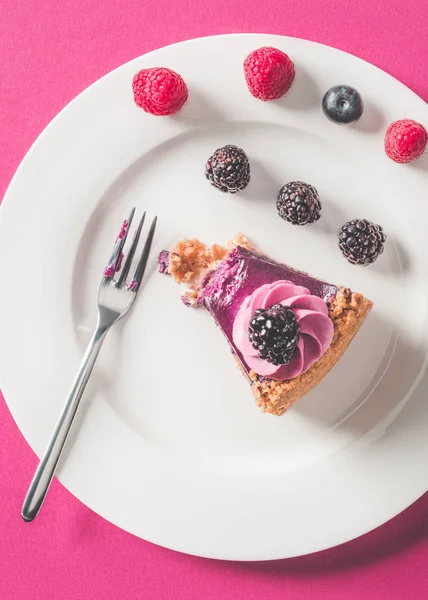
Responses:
[316,328]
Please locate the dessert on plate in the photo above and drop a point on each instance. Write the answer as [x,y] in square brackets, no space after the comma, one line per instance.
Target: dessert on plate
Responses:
[286,328]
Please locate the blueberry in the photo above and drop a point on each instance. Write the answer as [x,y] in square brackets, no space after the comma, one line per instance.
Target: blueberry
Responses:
[342,104]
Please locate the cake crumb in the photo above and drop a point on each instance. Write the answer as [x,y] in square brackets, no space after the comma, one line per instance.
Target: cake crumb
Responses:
[163,261]
[241,240]
[186,260]
[217,252]
[190,298]
[190,259]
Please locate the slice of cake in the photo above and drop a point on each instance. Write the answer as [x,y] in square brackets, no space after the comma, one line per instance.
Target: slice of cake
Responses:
[286,328]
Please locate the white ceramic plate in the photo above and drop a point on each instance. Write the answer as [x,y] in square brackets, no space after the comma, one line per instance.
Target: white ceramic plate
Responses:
[170,445]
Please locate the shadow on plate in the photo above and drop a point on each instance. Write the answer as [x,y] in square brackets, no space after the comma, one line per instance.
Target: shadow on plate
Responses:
[304,93]
[398,262]
[263,186]
[198,110]
[385,395]
[419,165]
[332,218]
[371,121]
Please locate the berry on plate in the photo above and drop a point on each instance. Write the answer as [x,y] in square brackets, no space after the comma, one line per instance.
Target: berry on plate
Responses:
[159,91]
[228,169]
[361,241]
[405,140]
[342,104]
[298,203]
[269,73]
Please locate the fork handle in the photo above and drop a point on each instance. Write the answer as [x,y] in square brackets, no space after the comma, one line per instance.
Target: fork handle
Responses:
[49,462]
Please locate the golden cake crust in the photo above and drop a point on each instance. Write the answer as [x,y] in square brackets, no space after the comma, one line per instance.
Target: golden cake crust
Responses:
[190,260]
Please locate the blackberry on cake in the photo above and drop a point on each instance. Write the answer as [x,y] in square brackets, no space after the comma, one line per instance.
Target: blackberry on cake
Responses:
[228,169]
[299,203]
[274,333]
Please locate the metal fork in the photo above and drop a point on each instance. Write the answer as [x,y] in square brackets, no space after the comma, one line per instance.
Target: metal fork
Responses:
[115,298]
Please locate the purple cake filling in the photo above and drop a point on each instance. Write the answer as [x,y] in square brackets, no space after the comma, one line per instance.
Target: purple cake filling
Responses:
[239,275]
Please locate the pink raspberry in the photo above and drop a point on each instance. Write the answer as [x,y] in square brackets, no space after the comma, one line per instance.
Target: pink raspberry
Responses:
[269,73]
[405,140]
[159,91]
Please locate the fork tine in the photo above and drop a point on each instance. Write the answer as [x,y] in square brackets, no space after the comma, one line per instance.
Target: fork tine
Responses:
[114,262]
[131,253]
[141,267]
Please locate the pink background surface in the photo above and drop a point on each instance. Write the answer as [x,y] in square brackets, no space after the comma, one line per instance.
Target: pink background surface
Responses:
[51,51]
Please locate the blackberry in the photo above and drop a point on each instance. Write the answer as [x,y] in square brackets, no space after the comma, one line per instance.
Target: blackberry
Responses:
[274,333]
[298,203]
[228,169]
[361,241]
